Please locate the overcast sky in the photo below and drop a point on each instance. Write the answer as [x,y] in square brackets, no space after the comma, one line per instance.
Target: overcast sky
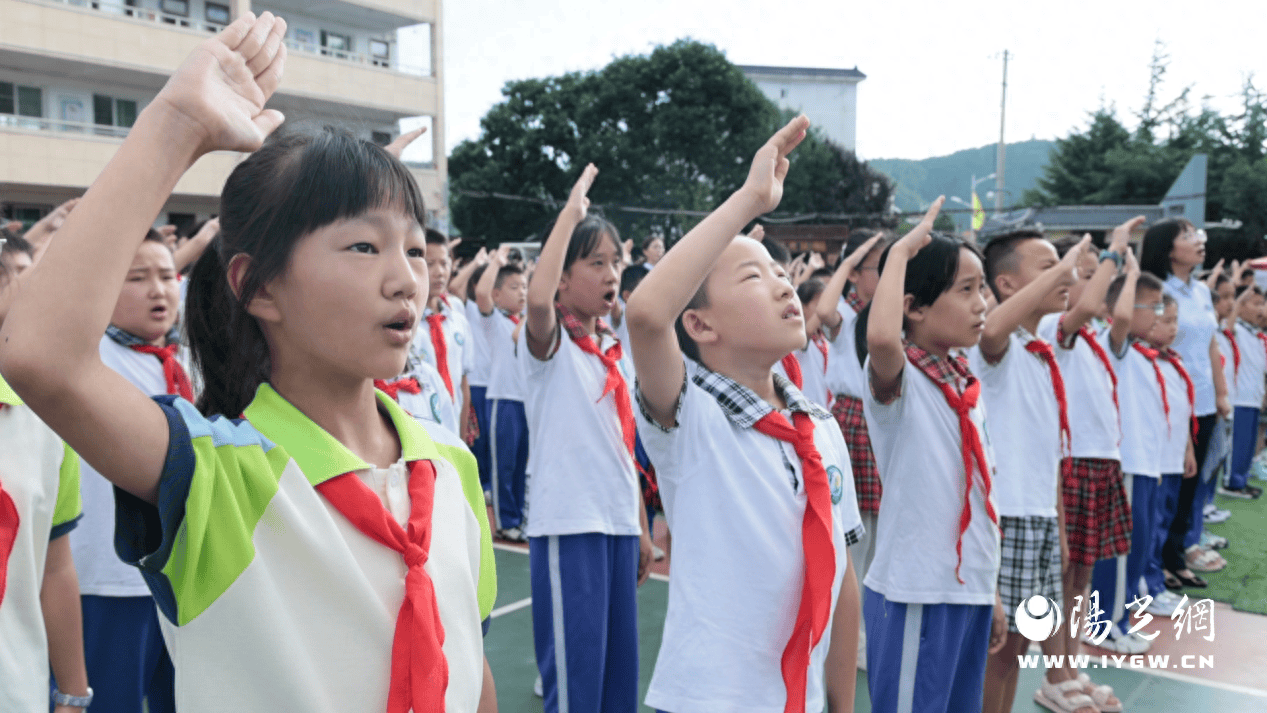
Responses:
[933,68]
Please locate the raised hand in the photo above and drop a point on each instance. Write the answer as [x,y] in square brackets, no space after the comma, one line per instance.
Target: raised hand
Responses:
[626,252]
[816,262]
[1132,263]
[757,232]
[1121,239]
[1071,258]
[769,167]
[220,91]
[481,257]
[578,201]
[397,147]
[921,234]
[501,255]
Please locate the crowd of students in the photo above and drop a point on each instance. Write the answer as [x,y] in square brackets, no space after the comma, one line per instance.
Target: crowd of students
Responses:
[288,430]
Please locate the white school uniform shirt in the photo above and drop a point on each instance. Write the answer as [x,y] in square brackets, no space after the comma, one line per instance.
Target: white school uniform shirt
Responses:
[1093,417]
[844,371]
[481,361]
[1143,415]
[1250,381]
[100,571]
[269,597]
[1179,425]
[458,342]
[814,366]
[1025,426]
[40,476]
[735,501]
[583,476]
[919,453]
[432,402]
[1231,372]
[506,379]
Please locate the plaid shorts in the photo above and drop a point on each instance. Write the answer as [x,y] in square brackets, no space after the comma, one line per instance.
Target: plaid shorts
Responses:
[1097,513]
[866,477]
[1030,562]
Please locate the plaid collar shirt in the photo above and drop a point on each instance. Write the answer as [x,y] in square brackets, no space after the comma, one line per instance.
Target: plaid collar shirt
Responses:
[951,370]
[127,339]
[742,405]
[576,330]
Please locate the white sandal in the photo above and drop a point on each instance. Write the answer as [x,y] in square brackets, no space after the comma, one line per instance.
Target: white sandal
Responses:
[1052,697]
[1100,694]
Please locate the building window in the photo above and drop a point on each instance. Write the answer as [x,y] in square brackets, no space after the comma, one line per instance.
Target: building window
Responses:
[380,53]
[382,138]
[108,111]
[218,14]
[175,7]
[28,214]
[335,44]
[22,101]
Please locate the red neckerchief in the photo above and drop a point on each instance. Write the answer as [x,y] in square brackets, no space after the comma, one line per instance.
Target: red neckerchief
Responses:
[177,380]
[1043,351]
[393,388]
[1098,349]
[1236,352]
[1151,355]
[1261,337]
[854,301]
[512,317]
[436,322]
[793,369]
[420,672]
[9,522]
[820,554]
[946,373]
[1176,361]
[615,383]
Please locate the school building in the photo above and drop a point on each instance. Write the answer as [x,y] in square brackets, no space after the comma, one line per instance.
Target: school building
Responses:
[74,74]
[828,95]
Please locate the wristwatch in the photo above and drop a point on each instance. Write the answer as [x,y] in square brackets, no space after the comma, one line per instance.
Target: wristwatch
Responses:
[64,699]
[1117,257]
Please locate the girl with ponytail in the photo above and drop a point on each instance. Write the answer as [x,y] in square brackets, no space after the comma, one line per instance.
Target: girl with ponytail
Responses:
[309,544]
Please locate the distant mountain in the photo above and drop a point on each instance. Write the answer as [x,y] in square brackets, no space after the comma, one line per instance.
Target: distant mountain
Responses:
[919,182]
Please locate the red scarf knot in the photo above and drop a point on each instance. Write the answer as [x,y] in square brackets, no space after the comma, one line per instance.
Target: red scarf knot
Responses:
[177,380]
[1048,355]
[436,323]
[819,551]
[419,670]
[1151,355]
[393,388]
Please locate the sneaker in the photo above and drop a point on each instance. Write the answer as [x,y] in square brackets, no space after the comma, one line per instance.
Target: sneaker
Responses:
[538,689]
[657,554]
[1211,541]
[1246,493]
[1259,467]
[1217,516]
[1208,508]
[1164,604]
[512,534]
[1120,643]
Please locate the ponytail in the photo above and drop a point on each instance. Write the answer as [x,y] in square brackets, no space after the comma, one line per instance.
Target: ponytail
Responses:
[225,342]
[860,334]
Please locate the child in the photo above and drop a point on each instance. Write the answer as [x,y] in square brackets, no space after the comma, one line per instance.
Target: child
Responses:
[421,391]
[1250,343]
[1024,392]
[1134,299]
[445,342]
[855,279]
[501,295]
[813,357]
[123,644]
[1097,514]
[478,379]
[40,624]
[256,533]
[1177,461]
[589,542]
[755,478]
[930,593]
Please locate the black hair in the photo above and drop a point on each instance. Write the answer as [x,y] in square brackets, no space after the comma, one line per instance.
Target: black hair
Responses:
[929,273]
[11,245]
[1145,281]
[778,251]
[630,277]
[299,181]
[1242,289]
[1167,300]
[153,236]
[1000,255]
[586,237]
[1223,278]
[1159,240]
[857,238]
[810,289]
[435,237]
[475,280]
[505,271]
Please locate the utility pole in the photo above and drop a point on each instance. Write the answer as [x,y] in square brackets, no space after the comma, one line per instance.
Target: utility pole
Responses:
[998,169]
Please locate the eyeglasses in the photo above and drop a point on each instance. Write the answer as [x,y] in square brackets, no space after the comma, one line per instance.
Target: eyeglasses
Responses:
[1158,309]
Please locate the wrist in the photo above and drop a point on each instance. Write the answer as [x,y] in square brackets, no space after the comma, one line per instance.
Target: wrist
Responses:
[181,135]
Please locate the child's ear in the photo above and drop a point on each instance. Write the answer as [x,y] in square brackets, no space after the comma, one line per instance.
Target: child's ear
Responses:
[698,328]
[261,305]
[912,313]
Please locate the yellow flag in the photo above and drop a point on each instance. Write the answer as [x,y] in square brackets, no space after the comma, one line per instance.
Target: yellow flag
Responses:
[978,212]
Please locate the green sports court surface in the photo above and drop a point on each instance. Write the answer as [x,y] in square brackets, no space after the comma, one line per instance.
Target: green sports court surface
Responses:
[509,650]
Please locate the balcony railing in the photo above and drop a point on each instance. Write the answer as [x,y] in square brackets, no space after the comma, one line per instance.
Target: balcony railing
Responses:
[116,8]
[35,123]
